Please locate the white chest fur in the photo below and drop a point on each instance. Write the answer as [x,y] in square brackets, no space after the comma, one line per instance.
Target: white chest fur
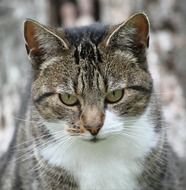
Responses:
[105,171]
[111,164]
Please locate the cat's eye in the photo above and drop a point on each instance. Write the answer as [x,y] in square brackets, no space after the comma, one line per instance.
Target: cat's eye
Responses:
[114,96]
[68,99]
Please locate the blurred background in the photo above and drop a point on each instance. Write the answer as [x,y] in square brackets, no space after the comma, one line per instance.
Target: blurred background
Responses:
[166,55]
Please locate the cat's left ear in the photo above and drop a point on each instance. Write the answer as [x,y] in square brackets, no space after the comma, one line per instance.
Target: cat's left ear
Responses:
[42,41]
[134,31]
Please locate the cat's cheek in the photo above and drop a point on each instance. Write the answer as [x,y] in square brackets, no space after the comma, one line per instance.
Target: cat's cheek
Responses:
[52,109]
[133,104]
[55,127]
[113,124]
[45,111]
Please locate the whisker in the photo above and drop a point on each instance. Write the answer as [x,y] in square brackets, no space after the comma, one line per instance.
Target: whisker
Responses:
[33,139]
[29,150]
[20,119]
[55,150]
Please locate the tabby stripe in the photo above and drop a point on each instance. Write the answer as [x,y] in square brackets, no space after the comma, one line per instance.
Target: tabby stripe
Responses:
[98,55]
[76,56]
[140,88]
[43,96]
[83,84]
[17,182]
[97,81]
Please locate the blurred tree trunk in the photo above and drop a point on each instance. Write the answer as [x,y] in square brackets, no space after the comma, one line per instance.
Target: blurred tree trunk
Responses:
[14,64]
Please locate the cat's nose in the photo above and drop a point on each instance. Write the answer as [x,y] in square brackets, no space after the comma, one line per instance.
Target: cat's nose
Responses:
[93,130]
[92,119]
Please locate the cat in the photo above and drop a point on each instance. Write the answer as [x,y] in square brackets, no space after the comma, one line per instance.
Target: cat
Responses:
[93,121]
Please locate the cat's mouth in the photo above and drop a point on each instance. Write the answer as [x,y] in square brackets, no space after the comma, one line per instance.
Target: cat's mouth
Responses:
[93,139]
[88,137]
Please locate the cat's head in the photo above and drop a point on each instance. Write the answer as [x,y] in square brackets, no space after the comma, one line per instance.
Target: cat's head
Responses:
[90,83]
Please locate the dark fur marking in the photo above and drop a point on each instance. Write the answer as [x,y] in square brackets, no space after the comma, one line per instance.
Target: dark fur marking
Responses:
[99,58]
[140,88]
[76,56]
[87,51]
[17,183]
[43,96]
[93,33]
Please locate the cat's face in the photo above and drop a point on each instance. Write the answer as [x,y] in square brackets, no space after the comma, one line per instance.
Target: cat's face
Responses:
[90,89]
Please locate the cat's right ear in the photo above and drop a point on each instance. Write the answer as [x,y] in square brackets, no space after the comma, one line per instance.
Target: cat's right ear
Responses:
[42,41]
[132,34]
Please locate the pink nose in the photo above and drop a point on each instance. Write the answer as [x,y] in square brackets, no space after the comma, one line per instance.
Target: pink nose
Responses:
[92,119]
[93,130]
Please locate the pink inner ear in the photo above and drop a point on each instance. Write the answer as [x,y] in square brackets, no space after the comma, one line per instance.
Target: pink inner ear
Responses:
[29,34]
[140,22]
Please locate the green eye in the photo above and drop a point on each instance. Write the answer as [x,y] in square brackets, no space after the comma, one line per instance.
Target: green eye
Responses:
[68,99]
[114,96]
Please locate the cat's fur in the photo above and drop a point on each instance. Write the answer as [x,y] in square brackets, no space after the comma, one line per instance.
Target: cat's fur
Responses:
[54,148]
